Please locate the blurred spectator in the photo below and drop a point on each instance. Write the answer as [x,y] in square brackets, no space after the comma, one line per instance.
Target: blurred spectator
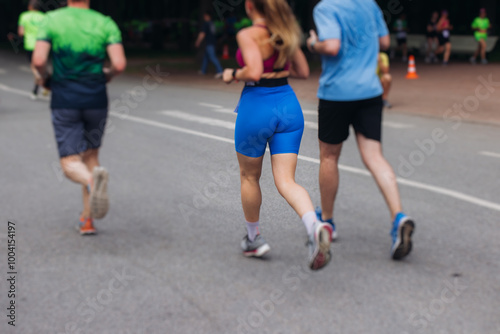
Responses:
[384,76]
[444,28]
[207,33]
[480,25]
[29,23]
[432,37]
[401,29]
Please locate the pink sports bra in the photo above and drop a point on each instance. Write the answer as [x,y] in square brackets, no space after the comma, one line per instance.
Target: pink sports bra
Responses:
[268,63]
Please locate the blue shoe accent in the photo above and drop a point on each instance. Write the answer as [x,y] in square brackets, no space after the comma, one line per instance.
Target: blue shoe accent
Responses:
[328,221]
[402,229]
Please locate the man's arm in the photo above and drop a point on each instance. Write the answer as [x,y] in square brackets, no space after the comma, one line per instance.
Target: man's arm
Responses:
[118,60]
[328,47]
[200,38]
[384,42]
[20,31]
[41,57]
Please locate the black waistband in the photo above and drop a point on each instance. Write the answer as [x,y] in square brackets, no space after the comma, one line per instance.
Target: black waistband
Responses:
[268,83]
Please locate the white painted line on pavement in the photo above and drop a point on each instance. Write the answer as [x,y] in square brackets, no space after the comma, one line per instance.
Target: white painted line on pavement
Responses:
[225,111]
[414,184]
[198,119]
[22,92]
[310,112]
[14,90]
[25,69]
[311,125]
[209,105]
[169,127]
[396,125]
[490,154]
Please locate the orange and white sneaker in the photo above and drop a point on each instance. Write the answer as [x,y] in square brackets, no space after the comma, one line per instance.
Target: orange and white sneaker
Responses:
[86,226]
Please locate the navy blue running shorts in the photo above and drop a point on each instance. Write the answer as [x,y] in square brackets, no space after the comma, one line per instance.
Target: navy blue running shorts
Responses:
[78,130]
[335,118]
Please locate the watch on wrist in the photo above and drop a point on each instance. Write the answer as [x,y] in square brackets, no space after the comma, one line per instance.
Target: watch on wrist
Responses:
[234,73]
[312,45]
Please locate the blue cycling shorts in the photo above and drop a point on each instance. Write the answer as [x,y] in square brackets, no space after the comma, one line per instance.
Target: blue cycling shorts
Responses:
[268,115]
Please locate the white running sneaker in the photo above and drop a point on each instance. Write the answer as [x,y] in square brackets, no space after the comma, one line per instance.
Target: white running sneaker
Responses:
[319,246]
[99,201]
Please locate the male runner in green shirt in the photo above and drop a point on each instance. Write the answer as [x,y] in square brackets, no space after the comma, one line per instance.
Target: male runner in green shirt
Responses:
[29,23]
[80,39]
[480,25]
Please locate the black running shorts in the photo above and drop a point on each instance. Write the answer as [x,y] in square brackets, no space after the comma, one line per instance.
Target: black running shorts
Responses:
[335,117]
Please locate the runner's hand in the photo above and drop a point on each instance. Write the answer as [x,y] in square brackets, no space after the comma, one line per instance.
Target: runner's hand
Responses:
[107,73]
[227,75]
[312,38]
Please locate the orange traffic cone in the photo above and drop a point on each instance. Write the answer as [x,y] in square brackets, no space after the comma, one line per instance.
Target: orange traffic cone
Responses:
[412,70]
[225,52]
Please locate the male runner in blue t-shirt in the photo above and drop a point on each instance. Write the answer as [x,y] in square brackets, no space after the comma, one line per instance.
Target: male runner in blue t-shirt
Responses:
[351,33]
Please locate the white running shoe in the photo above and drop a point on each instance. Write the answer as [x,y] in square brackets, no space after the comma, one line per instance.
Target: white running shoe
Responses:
[99,201]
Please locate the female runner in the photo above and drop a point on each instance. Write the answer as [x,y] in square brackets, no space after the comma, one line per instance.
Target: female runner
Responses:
[269,112]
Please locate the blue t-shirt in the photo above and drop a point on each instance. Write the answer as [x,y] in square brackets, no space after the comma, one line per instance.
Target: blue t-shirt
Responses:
[351,75]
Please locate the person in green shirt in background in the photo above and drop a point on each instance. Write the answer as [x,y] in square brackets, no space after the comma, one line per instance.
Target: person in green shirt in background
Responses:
[80,39]
[480,25]
[29,23]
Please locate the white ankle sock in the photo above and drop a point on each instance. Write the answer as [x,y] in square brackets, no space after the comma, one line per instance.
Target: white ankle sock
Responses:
[253,230]
[309,220]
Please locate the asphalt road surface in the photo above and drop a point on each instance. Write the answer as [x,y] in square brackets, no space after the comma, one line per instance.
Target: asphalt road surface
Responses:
[167,256]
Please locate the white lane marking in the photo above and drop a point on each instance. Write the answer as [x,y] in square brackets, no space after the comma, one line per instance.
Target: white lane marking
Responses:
[490,154]
[225,111]
[22,92]
[311,125]
[198,119]
[310,112]
[169,127]
[419,185]
[396,125]
[209,105]
[2,71]
[402,181]
[25,69]
[14,90]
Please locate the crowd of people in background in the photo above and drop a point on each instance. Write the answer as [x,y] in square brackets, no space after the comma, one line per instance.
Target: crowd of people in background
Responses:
[438,33]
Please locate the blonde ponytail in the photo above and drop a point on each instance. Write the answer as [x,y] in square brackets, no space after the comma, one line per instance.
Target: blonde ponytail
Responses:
[281,22]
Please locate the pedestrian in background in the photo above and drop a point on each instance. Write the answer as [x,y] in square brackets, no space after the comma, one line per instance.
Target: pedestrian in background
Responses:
[383,67]
[207,34]
[401,29]
[29,23]
[432,38]
[480,25]
[444,31]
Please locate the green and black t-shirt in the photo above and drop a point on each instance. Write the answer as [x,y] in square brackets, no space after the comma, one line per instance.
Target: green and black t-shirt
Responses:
[79,39]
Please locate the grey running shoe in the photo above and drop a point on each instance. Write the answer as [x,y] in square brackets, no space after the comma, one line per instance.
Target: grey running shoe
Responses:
[258,247]
[472,60]
[484,61]
[99,201]
[319,246]
[386,104]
